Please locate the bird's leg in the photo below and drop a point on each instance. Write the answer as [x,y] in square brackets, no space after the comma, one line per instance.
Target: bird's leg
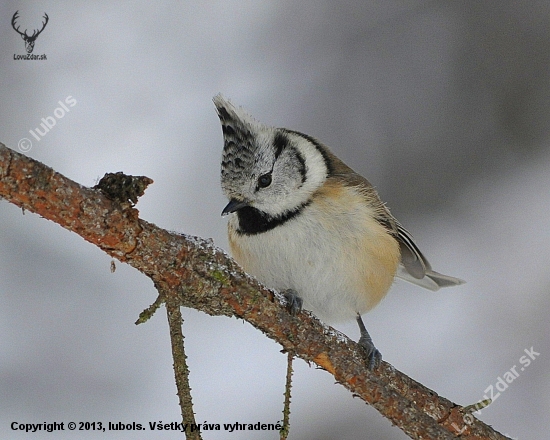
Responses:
[293,302]
[374,357]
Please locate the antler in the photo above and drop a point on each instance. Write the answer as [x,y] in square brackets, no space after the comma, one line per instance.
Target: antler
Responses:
[36,32]
[14,18]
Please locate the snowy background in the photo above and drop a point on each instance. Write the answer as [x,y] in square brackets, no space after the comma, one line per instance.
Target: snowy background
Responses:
[444,106]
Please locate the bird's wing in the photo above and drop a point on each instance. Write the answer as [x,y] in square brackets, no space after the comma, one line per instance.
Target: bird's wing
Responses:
[415,267]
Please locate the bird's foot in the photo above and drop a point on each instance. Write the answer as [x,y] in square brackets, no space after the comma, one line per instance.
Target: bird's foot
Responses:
[374,357]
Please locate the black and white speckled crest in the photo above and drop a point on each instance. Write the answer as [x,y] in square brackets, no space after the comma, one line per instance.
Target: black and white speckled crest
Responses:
[240,150]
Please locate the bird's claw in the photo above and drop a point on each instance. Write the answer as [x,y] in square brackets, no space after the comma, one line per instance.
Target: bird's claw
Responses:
[374,357]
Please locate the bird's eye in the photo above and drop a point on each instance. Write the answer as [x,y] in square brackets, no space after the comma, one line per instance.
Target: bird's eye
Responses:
[264,180]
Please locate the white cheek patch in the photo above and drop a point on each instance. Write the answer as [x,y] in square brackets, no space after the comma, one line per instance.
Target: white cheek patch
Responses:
[299,171]
[315,167]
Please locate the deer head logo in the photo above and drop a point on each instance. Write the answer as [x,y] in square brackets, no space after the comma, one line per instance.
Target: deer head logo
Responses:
[29,39]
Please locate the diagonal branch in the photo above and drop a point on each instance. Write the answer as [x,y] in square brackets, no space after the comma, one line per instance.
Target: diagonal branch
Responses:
[203,277]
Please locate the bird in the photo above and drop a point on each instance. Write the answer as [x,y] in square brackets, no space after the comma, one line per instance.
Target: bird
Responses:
[304,223]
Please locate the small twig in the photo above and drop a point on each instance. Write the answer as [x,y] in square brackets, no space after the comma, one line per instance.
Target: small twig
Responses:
[150,311]
[181,371]
[286,409]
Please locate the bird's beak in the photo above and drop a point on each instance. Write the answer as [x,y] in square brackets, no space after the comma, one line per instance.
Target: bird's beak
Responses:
[233,205]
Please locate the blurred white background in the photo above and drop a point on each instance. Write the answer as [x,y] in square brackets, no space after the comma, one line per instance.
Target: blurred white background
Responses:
[444,106]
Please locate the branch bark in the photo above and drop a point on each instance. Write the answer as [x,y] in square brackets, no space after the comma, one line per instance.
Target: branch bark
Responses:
[198,275]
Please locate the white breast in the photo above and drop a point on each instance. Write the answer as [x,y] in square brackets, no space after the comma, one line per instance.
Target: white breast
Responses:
[336,257]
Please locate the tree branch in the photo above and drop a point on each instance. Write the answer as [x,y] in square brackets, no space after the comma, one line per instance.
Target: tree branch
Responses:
[200,276]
